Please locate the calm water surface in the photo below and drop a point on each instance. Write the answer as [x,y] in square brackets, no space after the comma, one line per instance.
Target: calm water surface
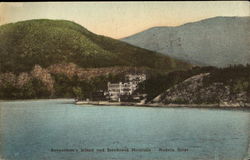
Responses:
[30,129]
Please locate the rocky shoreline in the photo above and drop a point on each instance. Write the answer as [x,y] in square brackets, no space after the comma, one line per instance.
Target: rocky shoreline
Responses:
[160,105]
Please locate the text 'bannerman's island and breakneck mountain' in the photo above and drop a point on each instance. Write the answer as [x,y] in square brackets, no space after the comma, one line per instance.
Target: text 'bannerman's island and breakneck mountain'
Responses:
[203,63]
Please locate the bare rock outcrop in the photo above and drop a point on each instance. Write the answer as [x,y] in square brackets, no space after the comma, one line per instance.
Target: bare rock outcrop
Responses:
[7,78]
[72,69]
[43,75]
[22,79]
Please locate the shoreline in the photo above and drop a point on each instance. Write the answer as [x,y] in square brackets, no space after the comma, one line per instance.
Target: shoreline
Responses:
[42,99]
[156,105]
[152,105]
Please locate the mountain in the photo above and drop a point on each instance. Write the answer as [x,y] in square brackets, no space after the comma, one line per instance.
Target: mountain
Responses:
[47,42]
[218,41]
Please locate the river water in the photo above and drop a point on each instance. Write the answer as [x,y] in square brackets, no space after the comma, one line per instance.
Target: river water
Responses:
[60,130]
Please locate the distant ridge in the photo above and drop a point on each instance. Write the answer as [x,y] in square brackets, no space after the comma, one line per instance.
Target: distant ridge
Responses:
[218,41]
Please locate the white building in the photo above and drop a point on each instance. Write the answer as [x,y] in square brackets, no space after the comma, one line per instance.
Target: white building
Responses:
[116,90]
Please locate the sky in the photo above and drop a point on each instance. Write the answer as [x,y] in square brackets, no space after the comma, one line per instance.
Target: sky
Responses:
[122,19]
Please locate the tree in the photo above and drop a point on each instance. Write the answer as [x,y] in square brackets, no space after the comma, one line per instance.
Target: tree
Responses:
[77,91]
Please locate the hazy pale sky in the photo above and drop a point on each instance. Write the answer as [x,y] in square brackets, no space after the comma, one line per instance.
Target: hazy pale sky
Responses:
[121,19]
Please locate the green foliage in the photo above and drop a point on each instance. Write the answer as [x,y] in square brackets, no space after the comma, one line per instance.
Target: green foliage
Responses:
[63,86]
[236,76]
[74,87]
[158,83]
[180,101]
[33,89]
[46,42]
[40,90]
[77,91]
[240,85]
[9,91]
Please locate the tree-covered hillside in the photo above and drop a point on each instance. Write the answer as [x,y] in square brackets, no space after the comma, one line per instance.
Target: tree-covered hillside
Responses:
[200,85]
[47,42]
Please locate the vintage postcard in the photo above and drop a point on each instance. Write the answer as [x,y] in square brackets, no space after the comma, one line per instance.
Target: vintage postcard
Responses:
[156,80]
